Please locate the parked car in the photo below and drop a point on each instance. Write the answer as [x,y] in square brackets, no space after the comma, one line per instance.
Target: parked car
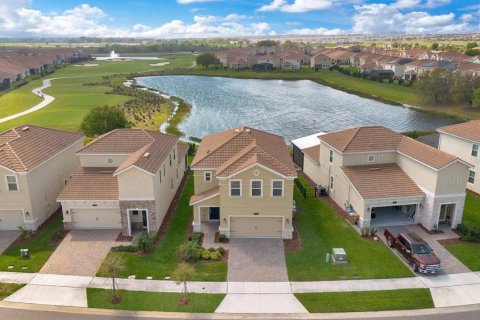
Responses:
[414,249]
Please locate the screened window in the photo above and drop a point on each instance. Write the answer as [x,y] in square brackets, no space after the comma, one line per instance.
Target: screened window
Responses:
[277,188]
[235,188]
[471,176]
[331,156]
[12,183]
[371,158]
[207,176]
[256,188]
[331,182]
[475,150]
[110,161]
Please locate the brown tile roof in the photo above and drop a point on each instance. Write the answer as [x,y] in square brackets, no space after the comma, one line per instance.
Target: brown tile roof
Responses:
[25,147]
[313,153]
[469,130]
[229,151]
[182,151]
[381,181]
[91,184]
[204,195]
[378,138]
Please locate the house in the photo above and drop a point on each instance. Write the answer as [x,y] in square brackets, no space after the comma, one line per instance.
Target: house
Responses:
[320,61]
[35,164]
[463,140]
[381,74]
[398,66]
[390,179]
[269,58]
[244,181]
[294,61]
[126,180]
[305,155]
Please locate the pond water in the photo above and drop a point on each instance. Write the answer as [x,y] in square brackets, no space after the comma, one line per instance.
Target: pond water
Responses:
[289,108]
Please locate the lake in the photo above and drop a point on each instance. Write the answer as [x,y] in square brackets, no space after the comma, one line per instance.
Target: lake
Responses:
[289,108]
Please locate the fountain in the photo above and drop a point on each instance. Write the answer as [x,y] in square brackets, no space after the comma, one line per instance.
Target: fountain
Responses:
[114,55]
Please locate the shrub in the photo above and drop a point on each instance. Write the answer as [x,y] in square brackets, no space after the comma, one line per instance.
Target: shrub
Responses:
[145,242]
[222,238]
[25,233]
[125,249]
[469,231]
[372,231]
[212,249]
[195,237]
[57,236]
[215,255]
[190,251]
[364,231]
[221,250]
[206,255]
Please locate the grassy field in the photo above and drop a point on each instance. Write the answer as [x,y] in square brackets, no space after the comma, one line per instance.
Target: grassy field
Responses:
[366,300]
[7,289]
[321,230]
[72,99]
[164,260]
[41,246]
[154,301]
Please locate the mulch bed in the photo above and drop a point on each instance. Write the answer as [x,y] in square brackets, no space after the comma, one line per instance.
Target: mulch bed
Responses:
[122,238]
[294,244]
[430,231]
[217,238]
[20,240]
[448,242]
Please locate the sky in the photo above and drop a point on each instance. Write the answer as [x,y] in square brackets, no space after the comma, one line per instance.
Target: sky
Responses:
[229,18]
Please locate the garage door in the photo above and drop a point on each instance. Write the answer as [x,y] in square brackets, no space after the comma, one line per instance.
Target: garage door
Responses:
[104,218]
[256,227]
[11,219]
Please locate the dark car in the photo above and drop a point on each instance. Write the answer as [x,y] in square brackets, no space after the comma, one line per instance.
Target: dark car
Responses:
[415,250]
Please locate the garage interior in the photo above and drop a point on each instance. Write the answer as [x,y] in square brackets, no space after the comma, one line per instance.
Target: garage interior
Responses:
[393,215]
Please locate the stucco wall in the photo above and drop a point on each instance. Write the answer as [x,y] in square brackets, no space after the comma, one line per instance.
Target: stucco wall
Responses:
[101,160]
[200,185]
[135,184]
[357,159]
[452,179]
[311,169]
[424,177]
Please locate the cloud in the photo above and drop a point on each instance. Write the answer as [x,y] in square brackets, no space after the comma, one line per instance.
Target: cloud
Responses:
[298,6]
[194,1]
[318,31]
[437,3]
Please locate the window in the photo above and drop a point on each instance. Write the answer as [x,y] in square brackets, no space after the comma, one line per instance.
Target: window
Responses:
[164,169]
[331,156]
[471,176]
[207,176]
[110,161]
[173,153]
[12,183]
[277,188]
[475,150]
[331,182]
[177,174]
[235,188]
[170,159]
[256,188]
[371,158]
[160,175]
[171,181]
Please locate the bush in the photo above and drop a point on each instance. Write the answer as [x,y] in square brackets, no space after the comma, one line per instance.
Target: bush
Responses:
[145,242]
[215,255]
[195,237]
[469,231]
[57,236]
[364,231]
[205,254]
[221,250]
[222,238]
[101,120]
[125,249]
[25,233]
[190,251]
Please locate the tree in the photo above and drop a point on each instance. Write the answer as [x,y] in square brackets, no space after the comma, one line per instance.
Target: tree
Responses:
[101,120]
[434,46]
[206,59]
[266,43]
[471,45]
[114,265]
[463,89]
[182,275]
[435,86]
[476,97]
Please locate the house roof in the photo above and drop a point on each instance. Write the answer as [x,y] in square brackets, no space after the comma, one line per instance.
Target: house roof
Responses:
[378,138]
[313,153]
[182,151]
[91,184]
[147,149]
[196,198]
[230,151]
[308,141]
[381,181]
[25,147]
[469,130]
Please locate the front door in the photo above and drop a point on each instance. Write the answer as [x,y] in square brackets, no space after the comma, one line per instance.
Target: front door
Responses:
[214,213]
[446,213]
[144,219]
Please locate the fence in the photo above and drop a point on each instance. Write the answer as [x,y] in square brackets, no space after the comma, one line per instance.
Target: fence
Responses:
[301,188]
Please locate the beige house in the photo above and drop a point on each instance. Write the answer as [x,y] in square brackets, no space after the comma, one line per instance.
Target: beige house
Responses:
[389,179]
[126,180]
[244,181]
[463,140]
[35,164]
[321,61]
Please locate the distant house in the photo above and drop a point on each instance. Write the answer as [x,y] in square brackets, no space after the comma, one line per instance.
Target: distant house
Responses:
[320,61]
[398,66]
[270,58]
[381,74]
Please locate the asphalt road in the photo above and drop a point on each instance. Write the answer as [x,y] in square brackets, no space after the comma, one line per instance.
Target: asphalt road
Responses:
[61,313]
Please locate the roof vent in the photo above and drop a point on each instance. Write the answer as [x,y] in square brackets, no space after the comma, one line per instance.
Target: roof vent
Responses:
[146,154]
[25,128]
[247,130]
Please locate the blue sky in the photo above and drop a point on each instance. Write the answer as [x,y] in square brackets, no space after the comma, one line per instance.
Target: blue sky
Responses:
[223,18]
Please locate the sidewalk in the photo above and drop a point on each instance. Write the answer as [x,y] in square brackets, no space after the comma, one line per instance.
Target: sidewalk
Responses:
[447,290]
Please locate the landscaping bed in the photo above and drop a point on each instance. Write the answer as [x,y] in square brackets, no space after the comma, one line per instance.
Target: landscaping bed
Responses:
[41,246]
[404,299]
[164,259]
[154,301]
[321,229]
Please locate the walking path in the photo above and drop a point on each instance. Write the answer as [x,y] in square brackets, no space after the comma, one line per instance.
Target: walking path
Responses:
[39,92]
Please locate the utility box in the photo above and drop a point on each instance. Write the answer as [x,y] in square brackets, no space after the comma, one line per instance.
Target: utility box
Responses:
[25,254]
[339,256]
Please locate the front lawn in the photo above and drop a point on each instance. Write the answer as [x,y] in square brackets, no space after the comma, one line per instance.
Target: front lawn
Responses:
[164,260]
[469,252]
[7,289]
[153,301]
[321,230]
[366,300]
[41,246]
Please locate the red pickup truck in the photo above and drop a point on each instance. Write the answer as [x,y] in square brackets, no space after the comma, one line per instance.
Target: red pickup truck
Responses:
[414,249]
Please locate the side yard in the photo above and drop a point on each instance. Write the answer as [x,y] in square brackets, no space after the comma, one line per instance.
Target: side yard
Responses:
[320,230]
[164,260]
[41,246]
[468,252]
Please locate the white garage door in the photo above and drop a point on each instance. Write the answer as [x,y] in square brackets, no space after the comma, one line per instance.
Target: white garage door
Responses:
[256,227]
[11,219]
[98,218]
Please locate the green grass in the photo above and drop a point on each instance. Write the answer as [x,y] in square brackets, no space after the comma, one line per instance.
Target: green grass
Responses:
[404,299]
[154,301]
[321,230]
[164,260]
[73,100]
[7,289]
[40,247]
[469,252]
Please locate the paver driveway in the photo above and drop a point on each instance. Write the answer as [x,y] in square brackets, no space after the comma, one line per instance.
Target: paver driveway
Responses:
[81,252]
[7,238]
[256,260]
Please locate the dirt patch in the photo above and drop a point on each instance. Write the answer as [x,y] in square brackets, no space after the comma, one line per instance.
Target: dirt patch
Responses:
[430,231]
[122,238]
[449,242]
[294,244]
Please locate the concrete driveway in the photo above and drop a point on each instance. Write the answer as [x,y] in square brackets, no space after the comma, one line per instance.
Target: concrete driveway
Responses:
[7,238]
[81,252]
[252,260]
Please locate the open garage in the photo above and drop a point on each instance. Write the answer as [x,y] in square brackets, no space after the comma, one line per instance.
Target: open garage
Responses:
[256,227]
[11,219]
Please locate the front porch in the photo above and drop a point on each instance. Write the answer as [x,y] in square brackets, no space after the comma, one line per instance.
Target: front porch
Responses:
[209,230]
